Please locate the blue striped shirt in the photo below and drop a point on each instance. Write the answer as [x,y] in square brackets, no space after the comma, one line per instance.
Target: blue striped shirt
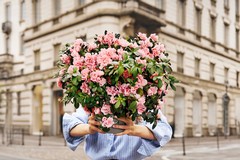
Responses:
[108,146]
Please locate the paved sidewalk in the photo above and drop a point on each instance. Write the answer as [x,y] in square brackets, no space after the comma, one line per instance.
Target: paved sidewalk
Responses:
[53,148]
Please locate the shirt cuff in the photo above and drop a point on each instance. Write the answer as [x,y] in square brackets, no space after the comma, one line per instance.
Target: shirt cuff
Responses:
[69,123]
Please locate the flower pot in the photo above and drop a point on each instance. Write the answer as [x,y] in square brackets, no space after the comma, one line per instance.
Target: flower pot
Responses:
[116,130]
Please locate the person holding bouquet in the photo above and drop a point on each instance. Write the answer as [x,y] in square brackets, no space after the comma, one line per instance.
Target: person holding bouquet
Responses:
[116,80]
[136,142]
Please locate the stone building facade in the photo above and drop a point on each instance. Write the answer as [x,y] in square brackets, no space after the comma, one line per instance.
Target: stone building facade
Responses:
[201,36]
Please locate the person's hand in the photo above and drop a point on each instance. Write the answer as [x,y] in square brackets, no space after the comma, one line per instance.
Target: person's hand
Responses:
[128,128]
[94,125]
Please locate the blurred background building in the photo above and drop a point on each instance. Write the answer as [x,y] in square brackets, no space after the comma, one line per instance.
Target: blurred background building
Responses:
[201,36]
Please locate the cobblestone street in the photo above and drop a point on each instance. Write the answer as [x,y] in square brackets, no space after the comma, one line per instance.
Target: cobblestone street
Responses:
[53,148]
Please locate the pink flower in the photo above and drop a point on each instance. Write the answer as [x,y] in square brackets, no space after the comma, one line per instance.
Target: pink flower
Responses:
[78,61]
[122,42]
[85,89]
[141,108]
[97,110]
[141,81]
[91,47]
[59,82]
[140,61]
[112,91]
[102,81]
[154,37]
[65,59]
[106,109]
[152,90]
[113,100]
[84,73]
[162,48]
[103,58]
[77,45]
[90,61]
[107,122]
[141,100]
[61,72]
[142,36]
[95,76]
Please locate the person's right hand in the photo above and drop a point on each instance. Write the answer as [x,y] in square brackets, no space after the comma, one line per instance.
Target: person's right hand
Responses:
[94,125]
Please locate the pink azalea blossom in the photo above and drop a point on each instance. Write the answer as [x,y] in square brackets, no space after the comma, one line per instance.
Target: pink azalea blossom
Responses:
[91,47]
[84,73]
[106,109]
[62,71]
[85,89]
[112,91]
[152,90]
[107,122]
[141,81]
[113,100]
[122,42]
[59,82]
[141,108]
[154,37]
[97,110]
[65,59]
[142,36]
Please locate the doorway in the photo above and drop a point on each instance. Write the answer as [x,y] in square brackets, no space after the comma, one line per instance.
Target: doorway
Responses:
[179,109]
[37,125]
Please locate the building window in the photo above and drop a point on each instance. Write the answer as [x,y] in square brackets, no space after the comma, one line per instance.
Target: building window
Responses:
[198,23]
[8,12]
[36,60]
[237,40]
[81,2]
[18,103]
[56,49]
[197,67]
[226,35]
[212,72]
[237,78]
[226,6]
[36,11]
[22,10]
[180,56]
[22,44]
[181,16]
[213,3]
[213,28]
[57,7]
[159,4]
[237,10]
[226,70]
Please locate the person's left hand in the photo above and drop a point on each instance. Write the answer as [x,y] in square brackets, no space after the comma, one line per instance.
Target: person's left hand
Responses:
[128,127]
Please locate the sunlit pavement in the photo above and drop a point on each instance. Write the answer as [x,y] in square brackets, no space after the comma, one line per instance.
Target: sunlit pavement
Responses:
[53,148]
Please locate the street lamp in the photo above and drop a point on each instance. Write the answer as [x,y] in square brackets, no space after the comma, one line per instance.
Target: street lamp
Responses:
[226,100]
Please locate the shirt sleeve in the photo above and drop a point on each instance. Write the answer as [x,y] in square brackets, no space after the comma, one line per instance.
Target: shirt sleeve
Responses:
[163,134]
[69,122]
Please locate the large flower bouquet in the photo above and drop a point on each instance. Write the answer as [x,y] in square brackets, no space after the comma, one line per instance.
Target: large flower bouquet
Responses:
[116,77]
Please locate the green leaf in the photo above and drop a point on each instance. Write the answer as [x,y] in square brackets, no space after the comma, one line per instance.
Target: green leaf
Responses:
[135,71]
[117,104]
[172,86]
[133,106]
[75,81]
[120,70]
[159,83]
